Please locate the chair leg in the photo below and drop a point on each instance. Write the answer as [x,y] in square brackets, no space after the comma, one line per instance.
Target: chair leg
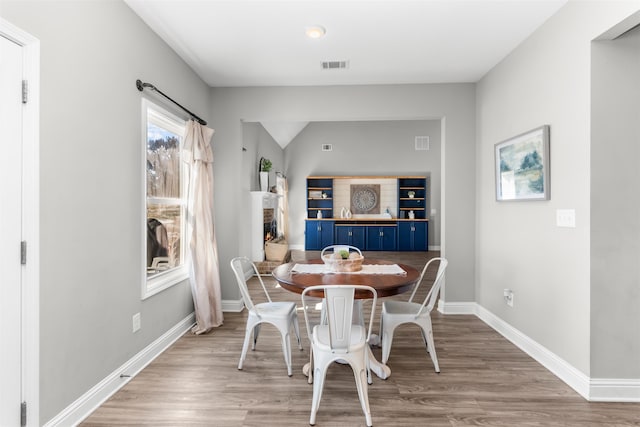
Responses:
[286,350]
[245,346]
[318,384]
[360,375]
[387,339]
[310,377]
[427,335]
[256,332]
[296,329]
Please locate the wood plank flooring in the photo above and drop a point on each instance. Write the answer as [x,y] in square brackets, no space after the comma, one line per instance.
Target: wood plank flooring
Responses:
[484,381]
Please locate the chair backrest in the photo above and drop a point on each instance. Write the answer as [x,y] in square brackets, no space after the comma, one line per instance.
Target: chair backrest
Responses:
[333,248]
[431,298]
[243,269]
[338,300]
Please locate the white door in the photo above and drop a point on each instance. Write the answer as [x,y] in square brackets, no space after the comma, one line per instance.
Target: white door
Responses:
[10,232]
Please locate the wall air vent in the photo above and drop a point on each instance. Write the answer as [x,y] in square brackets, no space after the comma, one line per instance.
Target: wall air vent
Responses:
[334,65]
[422,143]
[327,147]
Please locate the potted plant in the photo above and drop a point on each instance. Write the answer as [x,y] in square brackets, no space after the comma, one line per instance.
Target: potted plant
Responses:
[265,167]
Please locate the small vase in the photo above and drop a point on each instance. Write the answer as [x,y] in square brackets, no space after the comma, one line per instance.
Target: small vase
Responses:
[343,213]
[348,214]
[264,181]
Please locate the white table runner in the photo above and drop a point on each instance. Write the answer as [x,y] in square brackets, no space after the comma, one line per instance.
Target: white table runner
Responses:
[366,269]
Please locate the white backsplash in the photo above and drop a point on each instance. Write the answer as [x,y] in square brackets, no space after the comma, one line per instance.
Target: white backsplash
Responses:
[388,193]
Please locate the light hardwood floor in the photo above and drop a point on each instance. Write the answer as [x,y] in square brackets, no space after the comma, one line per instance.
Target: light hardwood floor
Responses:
[484,381]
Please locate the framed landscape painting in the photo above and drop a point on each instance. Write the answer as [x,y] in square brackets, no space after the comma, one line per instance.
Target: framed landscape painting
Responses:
[522,166]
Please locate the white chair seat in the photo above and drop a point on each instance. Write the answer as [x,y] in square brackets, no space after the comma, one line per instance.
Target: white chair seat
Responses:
[399,308]
[277,309]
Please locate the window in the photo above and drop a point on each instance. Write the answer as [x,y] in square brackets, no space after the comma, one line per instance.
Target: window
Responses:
[165,200]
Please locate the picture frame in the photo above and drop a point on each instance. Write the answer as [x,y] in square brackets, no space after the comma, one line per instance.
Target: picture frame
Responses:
[522,166]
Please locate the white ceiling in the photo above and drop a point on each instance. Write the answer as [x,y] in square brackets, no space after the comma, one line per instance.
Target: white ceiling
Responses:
[263,42]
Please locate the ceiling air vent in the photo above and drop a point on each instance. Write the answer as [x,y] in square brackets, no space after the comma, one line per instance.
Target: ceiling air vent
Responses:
[327,147]
[422,143]
[335,65]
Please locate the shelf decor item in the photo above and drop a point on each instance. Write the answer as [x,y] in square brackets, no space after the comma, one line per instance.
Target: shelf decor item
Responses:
[365,199]
[411,194]
[265,167]
[522,166]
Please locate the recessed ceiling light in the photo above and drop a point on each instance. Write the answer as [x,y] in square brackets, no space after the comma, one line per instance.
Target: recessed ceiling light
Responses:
[315,32]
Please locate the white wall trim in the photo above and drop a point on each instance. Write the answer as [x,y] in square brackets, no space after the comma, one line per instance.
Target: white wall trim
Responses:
[434,248]
[98,394]
[614,390]
[558,366]
[30,218]
[592,389]
[457,307]
[234,306]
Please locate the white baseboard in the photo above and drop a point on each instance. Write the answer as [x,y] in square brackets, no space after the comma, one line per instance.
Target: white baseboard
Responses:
[87,403]
[558,366]
[434,248]
[592,389]
[234,306]
[457,307]
[614,390]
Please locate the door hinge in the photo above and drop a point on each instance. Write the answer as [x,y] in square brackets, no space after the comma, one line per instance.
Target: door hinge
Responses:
[23,414]
[23,252]
[25,91]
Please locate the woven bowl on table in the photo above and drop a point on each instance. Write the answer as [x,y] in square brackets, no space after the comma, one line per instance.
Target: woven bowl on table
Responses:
[340,265]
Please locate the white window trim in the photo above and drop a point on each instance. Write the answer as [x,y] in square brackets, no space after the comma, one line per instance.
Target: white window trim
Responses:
[158,283]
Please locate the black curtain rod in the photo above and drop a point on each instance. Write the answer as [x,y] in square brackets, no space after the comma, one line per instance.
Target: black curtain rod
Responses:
[140,85]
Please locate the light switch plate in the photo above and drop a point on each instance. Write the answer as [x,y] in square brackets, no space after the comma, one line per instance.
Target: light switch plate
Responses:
[566,218]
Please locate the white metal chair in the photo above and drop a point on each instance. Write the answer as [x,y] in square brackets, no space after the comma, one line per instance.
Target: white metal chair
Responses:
[396,313]
[339,339]
[282,315]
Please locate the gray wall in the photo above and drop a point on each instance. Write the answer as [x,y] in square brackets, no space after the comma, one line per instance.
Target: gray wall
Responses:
[363,148]
[615,208]
[454,103]
[546,80]
[90,203]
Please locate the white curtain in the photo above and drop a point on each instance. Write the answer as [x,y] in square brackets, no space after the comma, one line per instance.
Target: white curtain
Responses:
[205,271]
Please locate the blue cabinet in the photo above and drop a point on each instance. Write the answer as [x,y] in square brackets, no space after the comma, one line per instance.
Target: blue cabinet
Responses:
[350,235]
[381,238]
[412,236]
[318,235]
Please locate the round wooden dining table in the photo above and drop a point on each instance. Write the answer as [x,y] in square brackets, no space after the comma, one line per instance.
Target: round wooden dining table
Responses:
[385,285]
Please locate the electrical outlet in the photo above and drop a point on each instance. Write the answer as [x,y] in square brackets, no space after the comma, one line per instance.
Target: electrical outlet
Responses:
[136,322]
[508,297]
